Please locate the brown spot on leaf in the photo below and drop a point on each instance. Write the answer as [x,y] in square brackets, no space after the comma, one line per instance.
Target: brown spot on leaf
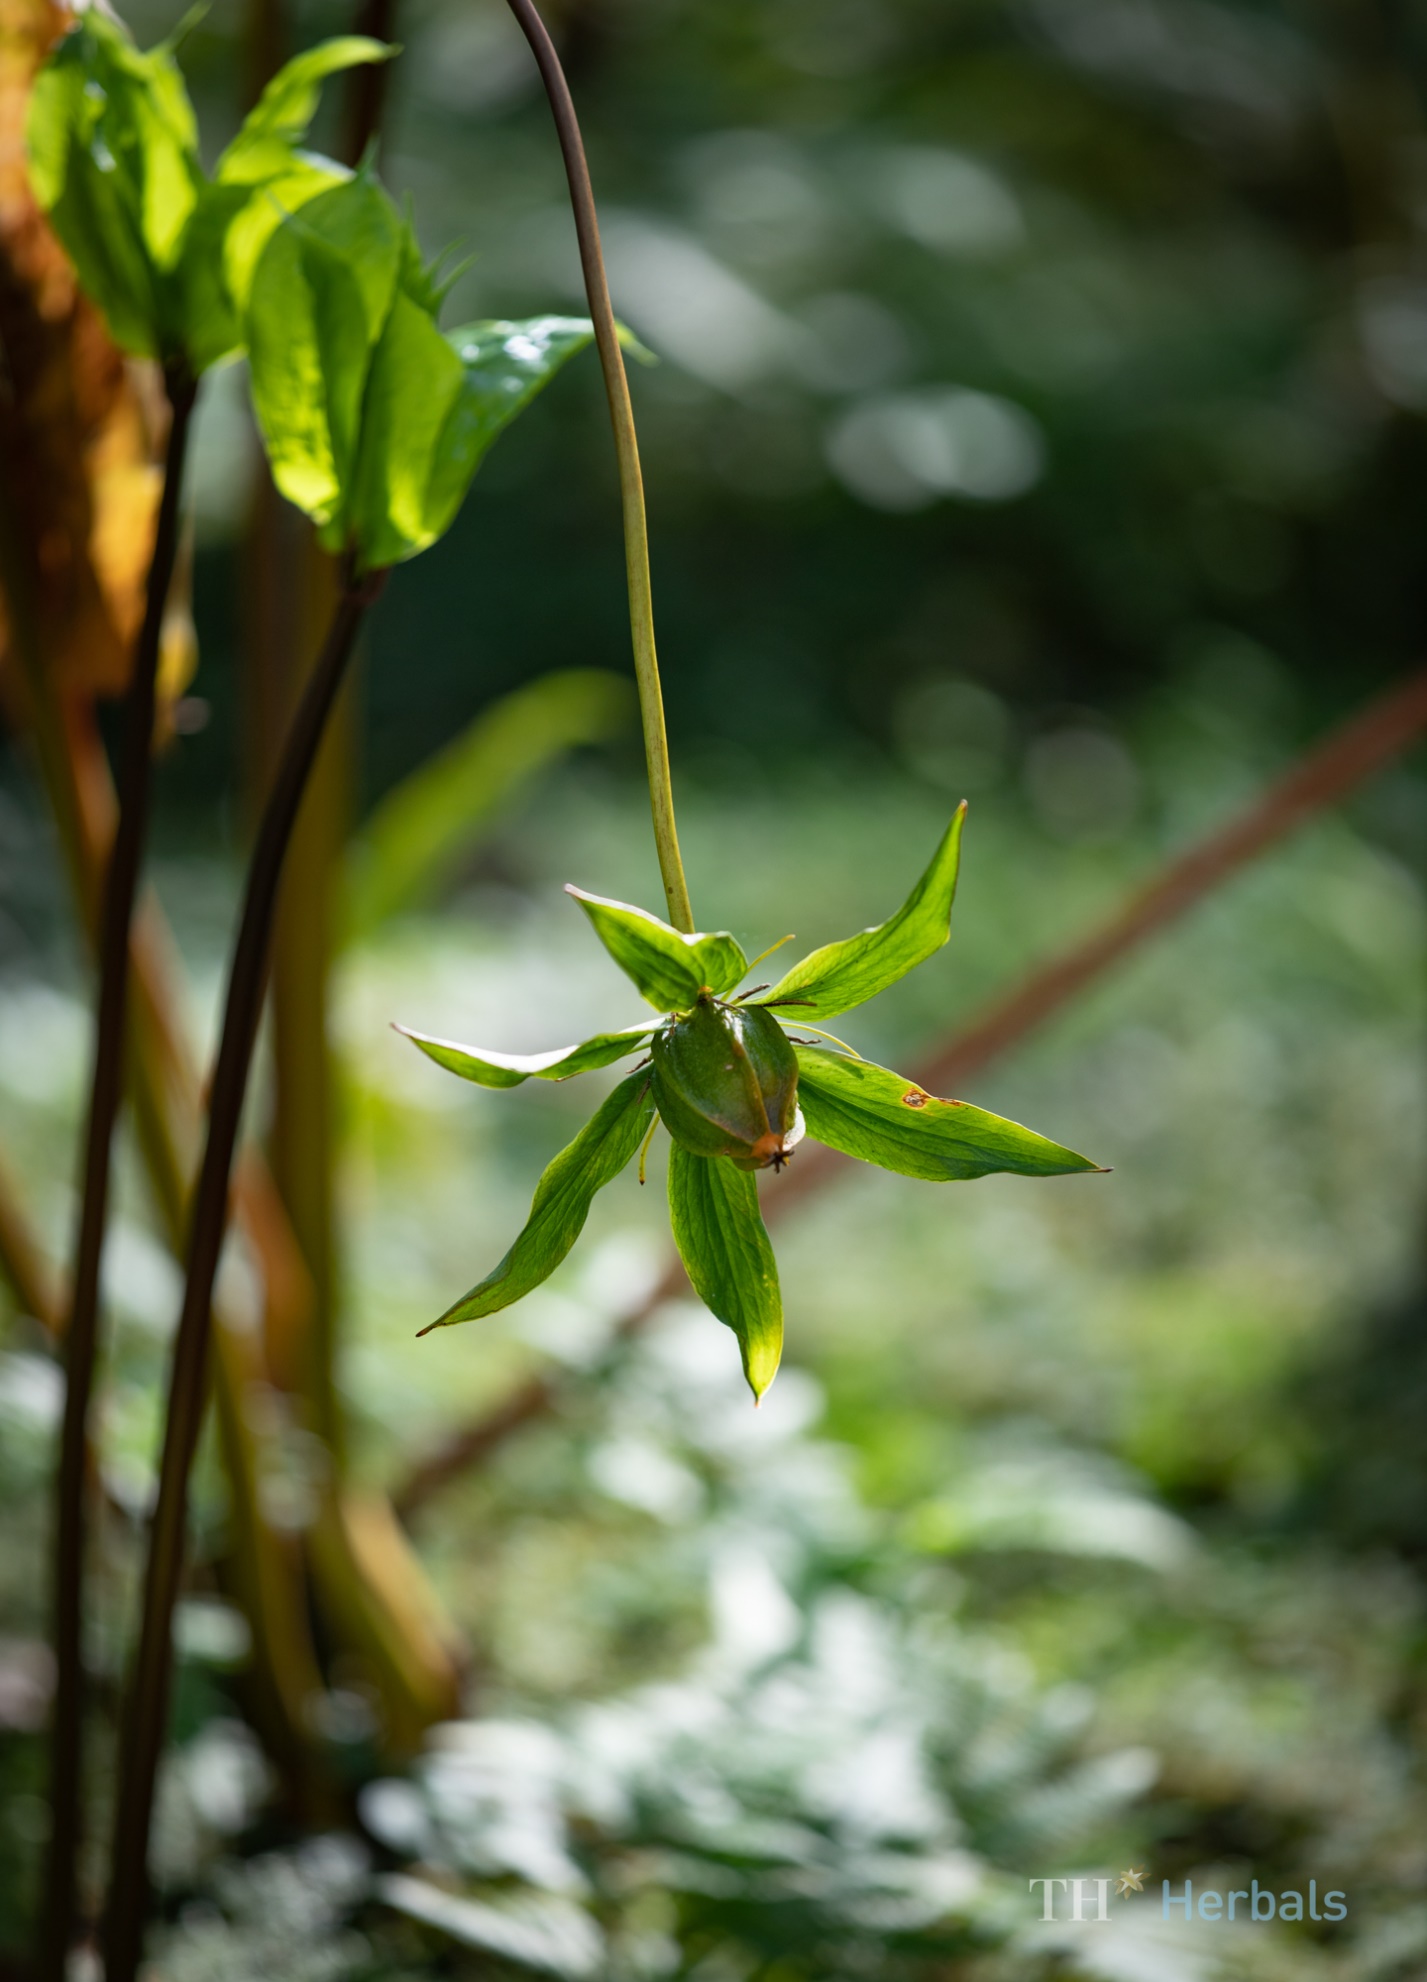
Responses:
[914,1098]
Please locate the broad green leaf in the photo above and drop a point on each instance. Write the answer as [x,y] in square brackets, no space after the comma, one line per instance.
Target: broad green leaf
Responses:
[669,969]
[841,975]
[280,118]
[420,832]
[870,1112]
[562,1201]
[414,390]
[504,365]
[230,227]
[261,213]
[435,405]
[258,180]
[114,163]
[321,293]
[724,1245]
[489,1069]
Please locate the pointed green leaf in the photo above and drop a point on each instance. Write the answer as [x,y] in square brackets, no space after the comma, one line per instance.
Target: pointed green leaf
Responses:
[870,1112]
[725,1247]
[841,975]
[504,365]
[321,294]
[435,405]
[490,1069]
[280,118]
[562,1201]
[668,968]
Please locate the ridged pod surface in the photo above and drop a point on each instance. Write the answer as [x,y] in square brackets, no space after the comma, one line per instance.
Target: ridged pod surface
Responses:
[726,1084]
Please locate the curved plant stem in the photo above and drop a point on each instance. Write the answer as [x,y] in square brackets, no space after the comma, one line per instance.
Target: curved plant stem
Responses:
[146,1709]
[82,1336]
[626,447]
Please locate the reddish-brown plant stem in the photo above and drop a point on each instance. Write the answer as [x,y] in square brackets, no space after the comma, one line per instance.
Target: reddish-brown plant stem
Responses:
[1366,743]
[146,1708]
[106,1089]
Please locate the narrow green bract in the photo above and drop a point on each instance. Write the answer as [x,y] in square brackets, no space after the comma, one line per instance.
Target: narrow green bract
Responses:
[562,1201]
[491,1069]
[666,966]
[724,1244]
[841,975]
[870,1112]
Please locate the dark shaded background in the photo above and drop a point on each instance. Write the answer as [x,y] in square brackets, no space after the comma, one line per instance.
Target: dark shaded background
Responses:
[1178,242]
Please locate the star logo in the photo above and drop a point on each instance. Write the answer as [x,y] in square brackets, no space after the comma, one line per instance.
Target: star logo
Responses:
[1131,1881]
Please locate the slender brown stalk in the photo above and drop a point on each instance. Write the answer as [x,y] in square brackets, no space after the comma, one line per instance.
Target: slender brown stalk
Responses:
[626,447]
[146,1709]
[82,1335]
[168,1102]
[1365,744]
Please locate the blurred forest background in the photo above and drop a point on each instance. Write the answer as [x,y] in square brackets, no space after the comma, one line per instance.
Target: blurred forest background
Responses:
[1038,418]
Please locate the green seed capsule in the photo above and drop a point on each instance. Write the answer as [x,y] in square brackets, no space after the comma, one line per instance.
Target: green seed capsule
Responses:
[726,1084]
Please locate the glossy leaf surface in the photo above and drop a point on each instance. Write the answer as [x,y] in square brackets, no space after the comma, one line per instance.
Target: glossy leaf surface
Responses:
[841,975]
[490,1069]
[666,967]
[869,1112]
[435,404]
[724,1244]
[562,1201]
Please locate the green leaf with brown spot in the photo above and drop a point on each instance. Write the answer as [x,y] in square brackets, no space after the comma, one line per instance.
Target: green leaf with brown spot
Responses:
[869,1112]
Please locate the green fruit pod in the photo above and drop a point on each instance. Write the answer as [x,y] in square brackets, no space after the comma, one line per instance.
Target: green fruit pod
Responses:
[726,1084]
